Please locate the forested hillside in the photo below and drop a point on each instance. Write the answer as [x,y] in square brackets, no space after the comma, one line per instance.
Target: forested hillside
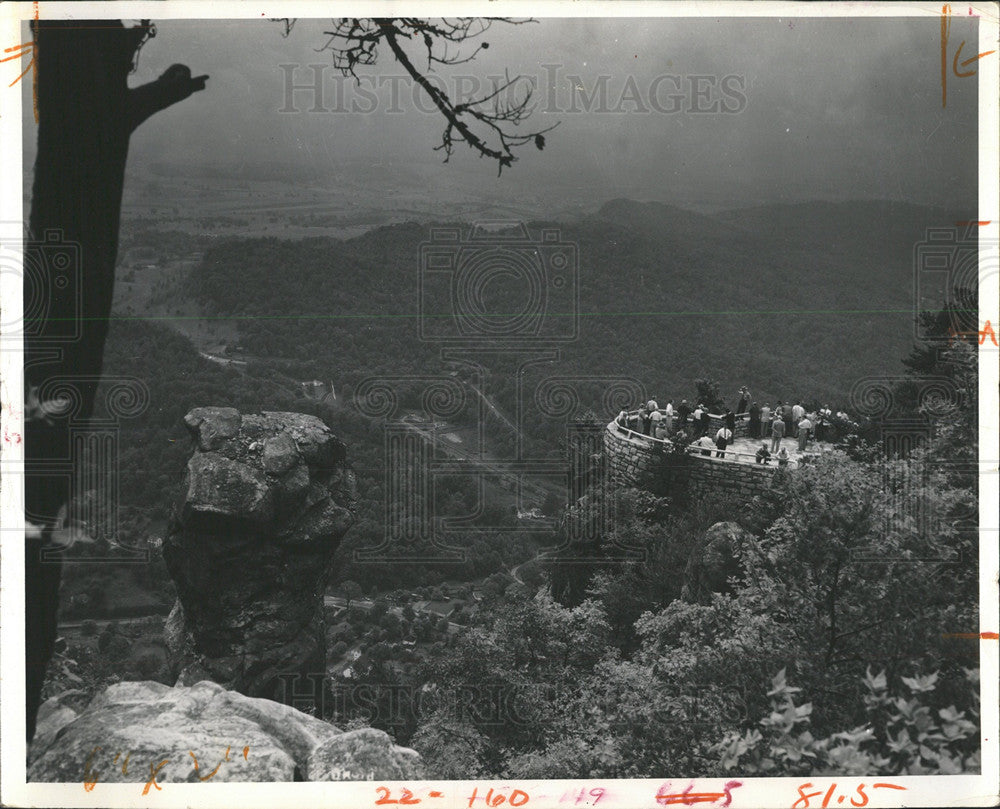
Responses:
[666,295]
[822,640]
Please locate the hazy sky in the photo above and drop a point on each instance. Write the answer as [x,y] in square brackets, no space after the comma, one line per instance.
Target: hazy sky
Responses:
[819,109]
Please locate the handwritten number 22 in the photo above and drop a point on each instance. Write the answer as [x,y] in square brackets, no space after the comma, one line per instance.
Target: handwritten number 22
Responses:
[406,799]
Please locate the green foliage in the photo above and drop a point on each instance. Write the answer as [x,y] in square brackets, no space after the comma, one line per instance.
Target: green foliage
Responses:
[904,734]
[709,393]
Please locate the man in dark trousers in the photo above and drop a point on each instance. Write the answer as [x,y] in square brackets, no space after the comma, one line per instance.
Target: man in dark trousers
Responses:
[754,426]
[777,433]
[683,411]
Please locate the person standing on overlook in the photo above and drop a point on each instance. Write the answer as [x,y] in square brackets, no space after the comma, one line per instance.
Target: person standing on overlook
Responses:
[683,411]
[654,420]
[777,433]
[696,418]
[797,413]
[668,419]
[823,422]
[730,420]
[804,427]
[753,428]
[765,420]
[722,439]
[622,420]
[741,407]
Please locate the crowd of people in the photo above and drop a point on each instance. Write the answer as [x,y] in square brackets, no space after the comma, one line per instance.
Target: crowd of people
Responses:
[692,425]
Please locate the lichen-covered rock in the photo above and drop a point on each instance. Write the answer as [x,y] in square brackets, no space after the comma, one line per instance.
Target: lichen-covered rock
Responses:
[219,489]
[365,754]
[204,733]
[213,425]
[53,715]
[712,561]
[267,499]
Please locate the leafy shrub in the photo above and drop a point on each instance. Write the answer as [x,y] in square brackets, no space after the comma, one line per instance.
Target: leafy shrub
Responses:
[904,735]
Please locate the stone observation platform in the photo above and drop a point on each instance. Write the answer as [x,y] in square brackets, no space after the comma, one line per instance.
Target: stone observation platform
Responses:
[631,454]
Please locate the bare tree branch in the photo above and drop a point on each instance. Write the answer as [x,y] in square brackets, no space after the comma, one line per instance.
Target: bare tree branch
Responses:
[488,124]
[175,84]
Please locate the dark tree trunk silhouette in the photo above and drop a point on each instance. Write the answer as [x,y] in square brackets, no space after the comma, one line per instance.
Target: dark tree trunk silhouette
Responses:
[86,114]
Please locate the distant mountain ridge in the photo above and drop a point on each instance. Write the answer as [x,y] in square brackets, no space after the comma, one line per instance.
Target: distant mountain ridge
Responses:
[794,300]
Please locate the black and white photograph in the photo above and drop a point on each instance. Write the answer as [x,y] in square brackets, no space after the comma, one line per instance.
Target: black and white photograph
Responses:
[575,405]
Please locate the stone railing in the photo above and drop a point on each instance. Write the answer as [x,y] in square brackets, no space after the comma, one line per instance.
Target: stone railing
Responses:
[630,454]
[650,444]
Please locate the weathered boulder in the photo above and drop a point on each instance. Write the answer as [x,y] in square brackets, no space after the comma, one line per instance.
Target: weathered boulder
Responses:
[132,727]
[267,499]
[713,560]
[365,754]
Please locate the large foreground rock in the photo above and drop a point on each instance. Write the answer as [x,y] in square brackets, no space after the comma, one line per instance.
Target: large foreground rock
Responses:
[267,499]
[132,725]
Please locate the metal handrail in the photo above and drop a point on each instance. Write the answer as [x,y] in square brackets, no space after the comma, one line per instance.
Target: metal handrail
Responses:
[692,449]
[739,416]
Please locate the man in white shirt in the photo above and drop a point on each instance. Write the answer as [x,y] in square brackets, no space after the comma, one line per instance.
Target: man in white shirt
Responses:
[696,418]
[651,405]
[670,407]
[706,445]
[804,427]
[722,439]
[654,419]
[798,411]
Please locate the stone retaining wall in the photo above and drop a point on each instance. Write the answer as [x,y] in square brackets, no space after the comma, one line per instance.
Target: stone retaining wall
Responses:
[628,458]
[745,481]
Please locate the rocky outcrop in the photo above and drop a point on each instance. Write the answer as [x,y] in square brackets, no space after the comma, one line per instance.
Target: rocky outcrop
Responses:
[713,560]
[129,729]
[266,501]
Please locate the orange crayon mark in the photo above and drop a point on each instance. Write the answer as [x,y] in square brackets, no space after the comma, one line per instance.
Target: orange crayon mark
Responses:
[18,51]
[988,332]
[945,33]
[981,223]
[246,750]
[967,62]
[153,773]
[980,335]
[89,776]
[974,635]
[213,773]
